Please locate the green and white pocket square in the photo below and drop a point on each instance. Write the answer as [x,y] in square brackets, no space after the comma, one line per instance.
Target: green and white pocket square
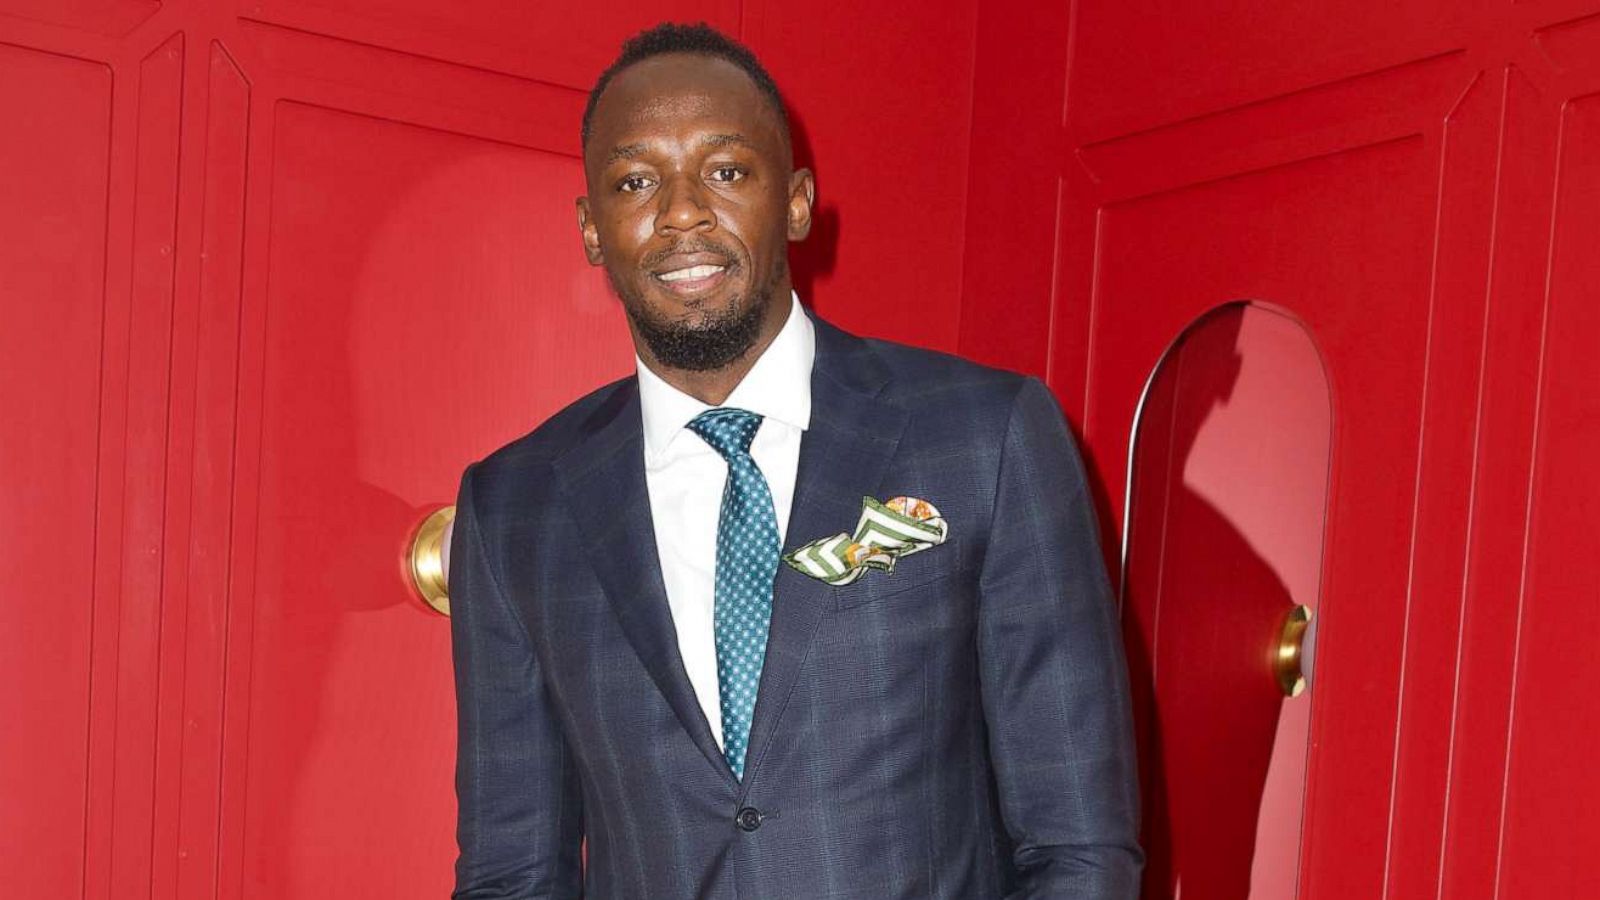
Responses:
[885,532]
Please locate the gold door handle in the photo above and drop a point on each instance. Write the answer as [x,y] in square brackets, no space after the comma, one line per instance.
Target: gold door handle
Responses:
[430,559]
[1292,661]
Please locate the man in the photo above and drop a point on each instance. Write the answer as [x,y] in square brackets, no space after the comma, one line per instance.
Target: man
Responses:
[938,711]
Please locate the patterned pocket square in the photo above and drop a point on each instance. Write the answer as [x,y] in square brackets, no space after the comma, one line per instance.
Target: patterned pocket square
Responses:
[884,533]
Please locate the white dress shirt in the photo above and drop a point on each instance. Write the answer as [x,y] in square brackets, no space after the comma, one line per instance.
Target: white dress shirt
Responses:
[685,478]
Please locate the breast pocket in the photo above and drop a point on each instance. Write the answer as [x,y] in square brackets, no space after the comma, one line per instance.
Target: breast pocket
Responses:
[918,572]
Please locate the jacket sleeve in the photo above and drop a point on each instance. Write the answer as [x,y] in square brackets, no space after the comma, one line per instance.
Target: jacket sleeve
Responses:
[519,818]
[1054,679]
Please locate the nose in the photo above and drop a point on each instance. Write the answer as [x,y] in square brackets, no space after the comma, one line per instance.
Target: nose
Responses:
[683,207]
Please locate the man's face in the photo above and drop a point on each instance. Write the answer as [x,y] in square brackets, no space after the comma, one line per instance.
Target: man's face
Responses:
[692,199]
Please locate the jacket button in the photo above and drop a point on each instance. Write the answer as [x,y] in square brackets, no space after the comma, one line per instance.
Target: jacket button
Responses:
[748,819]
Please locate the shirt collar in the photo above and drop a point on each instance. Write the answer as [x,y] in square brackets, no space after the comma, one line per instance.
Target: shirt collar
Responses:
[777,387]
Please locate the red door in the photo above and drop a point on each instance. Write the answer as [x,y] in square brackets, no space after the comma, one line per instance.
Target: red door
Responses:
[273,272]
[1416,184]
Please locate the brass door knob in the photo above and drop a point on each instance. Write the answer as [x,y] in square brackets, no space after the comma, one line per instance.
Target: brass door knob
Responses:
[1292,661]
[430,558]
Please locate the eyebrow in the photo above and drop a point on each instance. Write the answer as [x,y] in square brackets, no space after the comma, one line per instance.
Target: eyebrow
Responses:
[633,151]
[724,140]
[625,151]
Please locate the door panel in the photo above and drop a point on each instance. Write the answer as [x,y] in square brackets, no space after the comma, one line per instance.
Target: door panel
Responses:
[107,17]
[417,314]
[1167,258]
[1182,73]
[53,172]
[558,43]
[1550,786]
[206,376]
[1402,179]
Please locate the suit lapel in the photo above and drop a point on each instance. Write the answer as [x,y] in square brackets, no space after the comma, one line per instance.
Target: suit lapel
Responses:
[843,456]
[603,482]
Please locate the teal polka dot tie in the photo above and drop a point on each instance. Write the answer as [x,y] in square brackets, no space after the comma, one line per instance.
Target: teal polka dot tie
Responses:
[747,561]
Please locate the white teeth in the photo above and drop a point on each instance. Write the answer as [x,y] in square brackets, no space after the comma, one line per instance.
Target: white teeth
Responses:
[691,272]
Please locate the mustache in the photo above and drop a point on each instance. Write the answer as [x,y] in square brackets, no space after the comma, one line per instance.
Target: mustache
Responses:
[692,245]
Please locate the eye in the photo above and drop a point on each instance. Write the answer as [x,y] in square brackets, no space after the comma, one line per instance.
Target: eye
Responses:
[727,174]
[632,184]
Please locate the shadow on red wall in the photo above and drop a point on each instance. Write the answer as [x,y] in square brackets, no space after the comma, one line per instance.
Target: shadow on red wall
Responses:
[1226,511]
[813,258]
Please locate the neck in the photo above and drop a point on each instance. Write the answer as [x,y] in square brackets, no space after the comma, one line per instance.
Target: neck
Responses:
[710,388]
[713,386]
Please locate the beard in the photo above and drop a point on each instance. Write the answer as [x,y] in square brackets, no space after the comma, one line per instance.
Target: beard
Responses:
[715,342]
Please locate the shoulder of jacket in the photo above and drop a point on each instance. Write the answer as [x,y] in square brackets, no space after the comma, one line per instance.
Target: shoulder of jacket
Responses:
[930,378]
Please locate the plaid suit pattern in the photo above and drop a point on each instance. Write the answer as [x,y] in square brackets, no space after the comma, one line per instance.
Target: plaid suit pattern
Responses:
[958,729]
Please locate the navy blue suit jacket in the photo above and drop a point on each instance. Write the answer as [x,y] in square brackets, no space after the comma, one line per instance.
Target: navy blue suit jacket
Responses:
[958,728]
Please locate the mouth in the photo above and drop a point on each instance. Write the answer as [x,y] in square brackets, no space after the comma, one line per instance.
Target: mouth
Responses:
[693,275]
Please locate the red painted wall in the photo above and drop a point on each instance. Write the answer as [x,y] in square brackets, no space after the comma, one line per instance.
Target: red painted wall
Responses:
[883,95]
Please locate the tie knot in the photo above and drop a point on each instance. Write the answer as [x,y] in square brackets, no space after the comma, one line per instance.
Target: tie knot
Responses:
[729,431]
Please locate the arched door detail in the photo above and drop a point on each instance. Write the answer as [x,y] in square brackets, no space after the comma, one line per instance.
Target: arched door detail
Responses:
[1227,502]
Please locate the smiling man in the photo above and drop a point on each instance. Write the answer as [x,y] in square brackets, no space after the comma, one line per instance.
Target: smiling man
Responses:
[789,613]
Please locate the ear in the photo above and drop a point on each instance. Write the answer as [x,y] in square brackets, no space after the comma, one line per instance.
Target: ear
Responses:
[591,234]
[802,194]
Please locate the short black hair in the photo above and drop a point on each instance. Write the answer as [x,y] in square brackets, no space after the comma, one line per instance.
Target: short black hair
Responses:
[699,38]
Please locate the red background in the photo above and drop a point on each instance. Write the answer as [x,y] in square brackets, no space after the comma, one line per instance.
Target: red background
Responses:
[272,271]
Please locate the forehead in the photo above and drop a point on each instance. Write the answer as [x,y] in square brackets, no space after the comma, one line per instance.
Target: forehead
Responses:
[673,95]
